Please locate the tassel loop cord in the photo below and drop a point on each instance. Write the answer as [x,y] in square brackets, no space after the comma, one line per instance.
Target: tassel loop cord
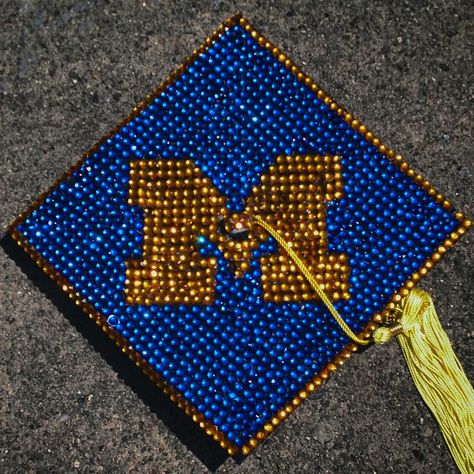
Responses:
[311,280]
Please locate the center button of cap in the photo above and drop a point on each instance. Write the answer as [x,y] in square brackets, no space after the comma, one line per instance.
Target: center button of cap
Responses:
[235,227]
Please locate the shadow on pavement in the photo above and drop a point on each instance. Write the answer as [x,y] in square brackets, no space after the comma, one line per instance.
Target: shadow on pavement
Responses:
[202,445]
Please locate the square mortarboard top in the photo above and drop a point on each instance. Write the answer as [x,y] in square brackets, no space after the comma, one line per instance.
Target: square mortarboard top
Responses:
[149,233]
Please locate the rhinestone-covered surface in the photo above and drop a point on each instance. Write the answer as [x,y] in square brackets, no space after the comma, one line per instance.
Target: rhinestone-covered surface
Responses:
[232,113]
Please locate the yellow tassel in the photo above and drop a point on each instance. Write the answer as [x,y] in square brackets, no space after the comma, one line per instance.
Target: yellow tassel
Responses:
[435,369]
[437,373]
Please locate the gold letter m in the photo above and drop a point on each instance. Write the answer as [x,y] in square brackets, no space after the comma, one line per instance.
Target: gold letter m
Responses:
[180,204]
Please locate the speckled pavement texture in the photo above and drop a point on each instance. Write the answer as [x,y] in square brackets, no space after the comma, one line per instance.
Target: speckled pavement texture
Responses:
[69,401]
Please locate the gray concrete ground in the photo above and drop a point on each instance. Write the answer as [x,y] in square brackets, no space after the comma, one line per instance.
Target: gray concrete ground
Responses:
[71,70]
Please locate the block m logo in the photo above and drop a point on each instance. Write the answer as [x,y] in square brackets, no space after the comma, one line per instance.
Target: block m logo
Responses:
[180,205]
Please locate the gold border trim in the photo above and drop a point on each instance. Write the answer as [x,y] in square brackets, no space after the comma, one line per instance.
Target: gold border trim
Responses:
[346,353]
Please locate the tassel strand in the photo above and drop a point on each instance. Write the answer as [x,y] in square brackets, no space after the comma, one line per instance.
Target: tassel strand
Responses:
[437,374]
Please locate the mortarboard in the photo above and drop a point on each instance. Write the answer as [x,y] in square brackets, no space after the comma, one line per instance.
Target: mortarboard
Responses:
[239,235]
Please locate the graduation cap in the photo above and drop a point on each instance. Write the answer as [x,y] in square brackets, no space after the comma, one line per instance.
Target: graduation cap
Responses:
[239,235]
